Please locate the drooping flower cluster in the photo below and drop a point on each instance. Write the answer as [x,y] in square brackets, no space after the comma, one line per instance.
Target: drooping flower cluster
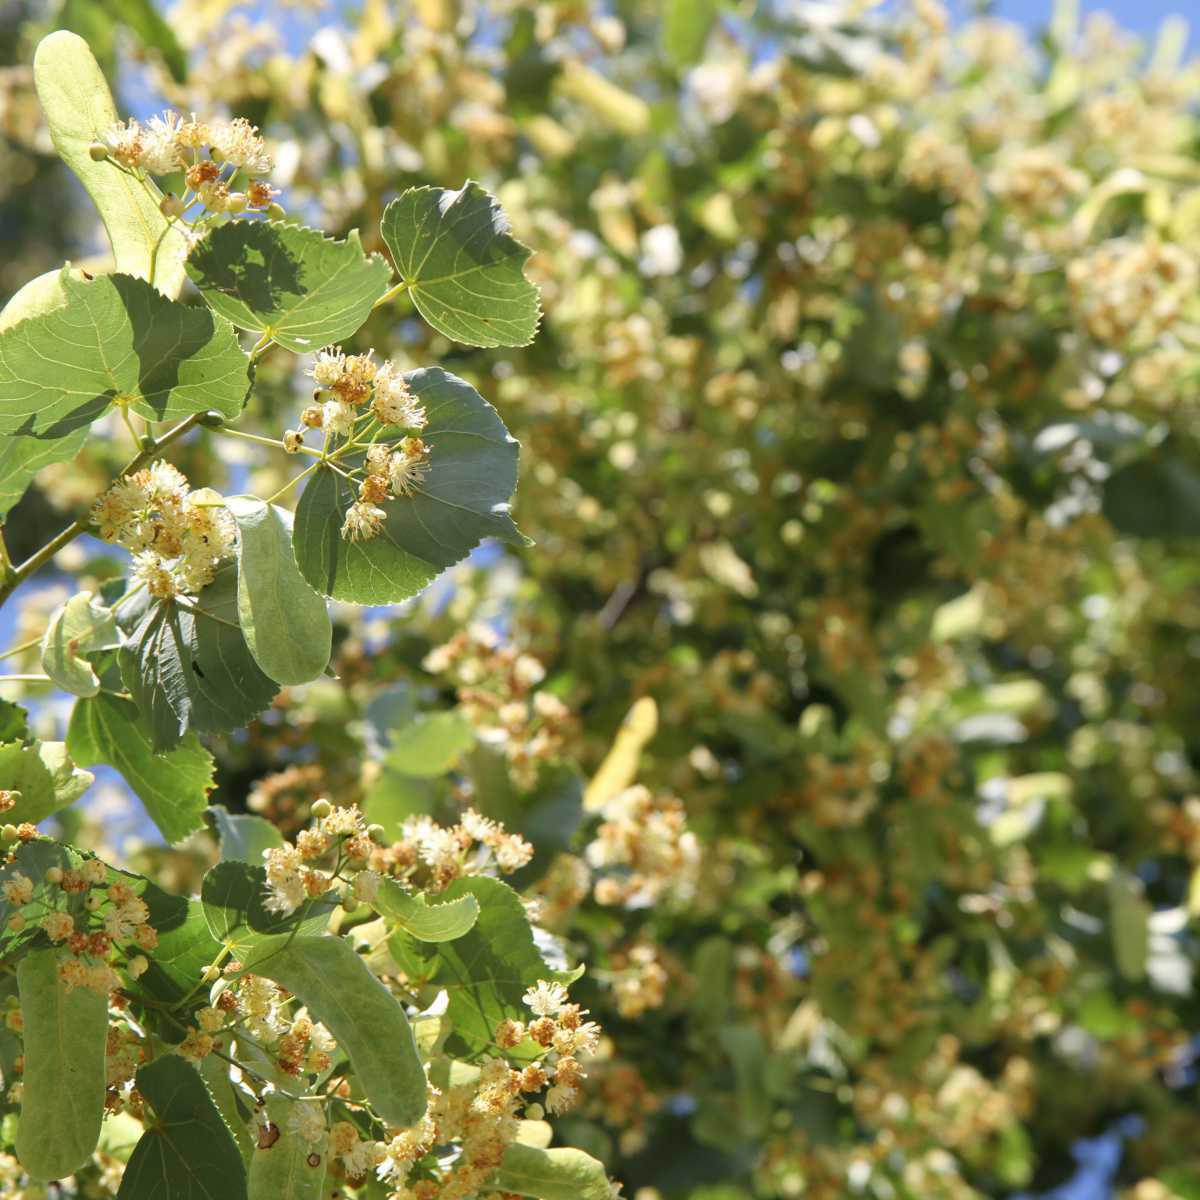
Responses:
[169,143]
[331,853]
[98,922]
[430,857]
[496,691]
[178,537]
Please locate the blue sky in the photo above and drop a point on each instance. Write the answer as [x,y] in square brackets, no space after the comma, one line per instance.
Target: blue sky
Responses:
[1140,16]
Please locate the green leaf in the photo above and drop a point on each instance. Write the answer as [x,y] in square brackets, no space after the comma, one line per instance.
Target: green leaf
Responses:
[62,1101]
[243,838]
[44,775]
[21,458]
[430,744]
[33,860]
[1129,916]
[364,1018]
[1154,498]
[79,108]
[174,787]
[187,671]
[282,1170]
[81,626]
[233,895]
[560,1174]
[233,1106]
[486,971]
[424,921]
[464,271]
[463,499]
[185,946]
[306,290]
[187,1150]
[685,29]
[286,623]
[117,341]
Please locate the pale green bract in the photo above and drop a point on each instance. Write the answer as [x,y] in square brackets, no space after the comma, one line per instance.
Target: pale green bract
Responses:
[117,341]
[560,1174]
[300,287]
[364,1018]
[424,921]
[286,624]
[62,1098]
[79,627]
[79,108]
[464,270]
[289,1168]
[463,499]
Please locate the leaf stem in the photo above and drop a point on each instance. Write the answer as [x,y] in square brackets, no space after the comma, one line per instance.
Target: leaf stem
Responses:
[391,293]
[25,679]
[81,524]
[261,345]
[265,441]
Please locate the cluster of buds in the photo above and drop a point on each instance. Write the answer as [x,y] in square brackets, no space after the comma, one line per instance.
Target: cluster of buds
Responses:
[177,537]
[334,851]
[496,690]
[430,857]
[643,850]
[169,143]
[96,921]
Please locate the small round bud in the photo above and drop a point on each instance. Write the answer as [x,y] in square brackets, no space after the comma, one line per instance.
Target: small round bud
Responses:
[16,922]
[321,809]
[534,1112]
[212,420]
[376,833]
[210,973]
[349,903]
[293,439]
[8,833]
[276,211]
[215,155]
[137,965]
[148,441]
[93,902]
[171,206]
[97,152]
[53,875]
[236,203]
[312,416]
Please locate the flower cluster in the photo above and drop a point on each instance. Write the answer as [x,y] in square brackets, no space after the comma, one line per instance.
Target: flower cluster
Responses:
[97,921]
[430,856]
[643,850]
[178,537]
[333,852]
[166,144]
[496,691]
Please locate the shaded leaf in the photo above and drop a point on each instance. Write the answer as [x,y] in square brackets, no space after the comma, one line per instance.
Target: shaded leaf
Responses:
[305,289]
[62,1100]
[117,340]
[243,838]
[187,1151]
[430,744]
[191,671]
[21,458]
[464,269]
[44,775]
[286,624]
[174,786]
[463,499]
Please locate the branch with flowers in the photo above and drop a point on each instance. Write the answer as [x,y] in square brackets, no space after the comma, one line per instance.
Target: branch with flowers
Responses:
[352,1006]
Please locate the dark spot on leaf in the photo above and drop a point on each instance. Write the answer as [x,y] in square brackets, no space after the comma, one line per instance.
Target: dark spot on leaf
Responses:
[314,1160]
[268,1135]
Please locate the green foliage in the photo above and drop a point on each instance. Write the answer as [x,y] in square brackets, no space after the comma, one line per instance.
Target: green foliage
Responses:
[285,623]
[117,342]
[79,107]
[192,669]
[45,777]
[365,1018]
[80,627]
[285,1169]
[421,920]
[429,745]
[233,895]
[174,786]
[187,1149]
[561,1174]
[243,838]
[464,270]
[62,1101]
[463,499]
[303,289]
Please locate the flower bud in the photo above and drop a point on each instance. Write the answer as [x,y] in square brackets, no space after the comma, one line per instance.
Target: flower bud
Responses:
[171,206]
[276,211]
[293,439]
[321,809]
[376,834]
[137,965]
[312,416]
[97,152]
[16,922]
[53,875]
[93,902]
[236,202]
[349,903]
[8,833]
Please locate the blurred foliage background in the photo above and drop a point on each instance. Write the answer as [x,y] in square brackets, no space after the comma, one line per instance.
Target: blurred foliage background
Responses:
[860,455]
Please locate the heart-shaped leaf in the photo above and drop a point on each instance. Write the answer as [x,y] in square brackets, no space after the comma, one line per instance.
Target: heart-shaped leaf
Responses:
[424,921]
[463,499]
[464,270]
[117,341]
[294,283]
